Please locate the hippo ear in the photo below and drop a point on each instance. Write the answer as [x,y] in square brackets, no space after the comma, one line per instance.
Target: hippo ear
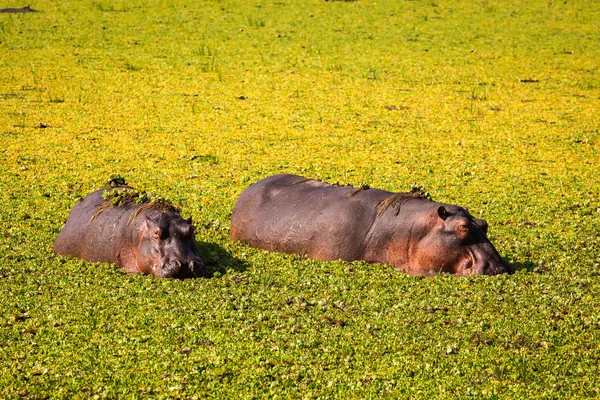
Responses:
[462,229]
[188,230]
[189,220]
[482,224]
[442,212]
[155,231]
[144,228]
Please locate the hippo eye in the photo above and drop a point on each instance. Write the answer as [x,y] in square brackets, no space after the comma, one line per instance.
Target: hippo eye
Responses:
[462,230]
[156,233]
[186,231]
[190,231]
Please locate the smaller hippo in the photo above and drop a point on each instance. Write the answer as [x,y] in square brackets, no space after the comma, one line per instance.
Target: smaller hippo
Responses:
[138,234]
[293,214]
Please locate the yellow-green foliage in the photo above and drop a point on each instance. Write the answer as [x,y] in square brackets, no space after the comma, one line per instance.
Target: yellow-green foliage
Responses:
[489,105]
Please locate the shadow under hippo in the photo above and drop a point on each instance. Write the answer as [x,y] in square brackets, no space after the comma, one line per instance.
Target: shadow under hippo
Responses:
[293,214]
[217,259]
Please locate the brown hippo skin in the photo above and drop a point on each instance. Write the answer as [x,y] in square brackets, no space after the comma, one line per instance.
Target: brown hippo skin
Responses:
[292,214]
[157,242]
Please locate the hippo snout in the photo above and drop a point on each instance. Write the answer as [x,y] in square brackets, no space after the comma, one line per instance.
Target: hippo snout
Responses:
[177,268]
[486,260]
[495,267]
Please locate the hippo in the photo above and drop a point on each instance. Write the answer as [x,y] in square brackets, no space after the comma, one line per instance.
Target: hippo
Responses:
[138,234]
[293,214]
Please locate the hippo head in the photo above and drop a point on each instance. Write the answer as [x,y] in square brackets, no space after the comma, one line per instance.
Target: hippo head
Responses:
[167,247]
[455,242]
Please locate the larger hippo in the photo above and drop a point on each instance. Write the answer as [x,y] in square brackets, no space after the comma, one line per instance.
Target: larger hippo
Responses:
[292,214]
[150,237]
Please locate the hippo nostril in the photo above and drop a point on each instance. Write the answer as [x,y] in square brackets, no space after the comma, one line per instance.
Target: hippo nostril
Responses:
[170,267]
[486,265]
[496,268]
[196,266]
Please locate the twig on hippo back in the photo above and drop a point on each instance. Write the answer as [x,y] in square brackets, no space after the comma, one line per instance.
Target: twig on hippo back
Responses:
[397,200]
[318,182]
[302,181]
[338,184]
[127,196]
[362,188]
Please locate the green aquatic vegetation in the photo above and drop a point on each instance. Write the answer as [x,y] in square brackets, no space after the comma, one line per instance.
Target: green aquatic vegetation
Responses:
[128,196]
[115,181]
[491,106]
[420,191]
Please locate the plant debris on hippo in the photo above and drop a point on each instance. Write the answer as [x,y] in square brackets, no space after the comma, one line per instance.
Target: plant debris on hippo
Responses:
[120,225]
[293,214]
